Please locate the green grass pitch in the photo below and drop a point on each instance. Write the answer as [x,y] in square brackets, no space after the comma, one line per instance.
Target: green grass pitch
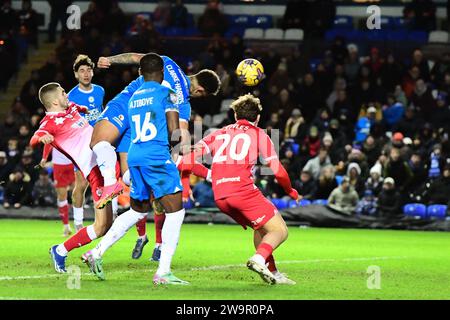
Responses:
[326,263]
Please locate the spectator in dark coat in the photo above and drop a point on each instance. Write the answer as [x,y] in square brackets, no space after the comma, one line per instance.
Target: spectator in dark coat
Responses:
[203,194]
[423,100]
[409,123]
[439,191]
[179,15]
[44,193]
[17,190]
[306,186]
[212,20]
[419,170]
[399,170]
[389,200]
[5,167]
[57,14]
[326,183]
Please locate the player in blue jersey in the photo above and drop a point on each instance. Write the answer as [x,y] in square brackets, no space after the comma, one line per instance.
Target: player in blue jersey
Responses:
[90,95]
[153,117]
[113,127]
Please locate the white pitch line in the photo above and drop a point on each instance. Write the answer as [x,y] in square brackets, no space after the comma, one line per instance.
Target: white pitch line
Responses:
[218,267]
[298,262]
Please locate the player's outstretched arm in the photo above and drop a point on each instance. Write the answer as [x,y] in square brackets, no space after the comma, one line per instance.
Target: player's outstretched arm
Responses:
[124,58]
[283,178]
[37,138]
[173,126]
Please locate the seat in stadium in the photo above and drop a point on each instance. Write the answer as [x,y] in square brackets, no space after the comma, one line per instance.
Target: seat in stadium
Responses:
[225,105]
[399,23]
[387,22]
[304,203]
[292,204]
[274,34]
[293,34]
[190,20]
[438,37]
[174,32]
[218,118]
[207,120]
[415,210]
[280,204]
[437,211]
[240,20]
[322,202]
[343,22]
[188,205]
[191,32]
[376,35]
[254,33]
[397,35]
[262,21]
[234,30]
[418,36]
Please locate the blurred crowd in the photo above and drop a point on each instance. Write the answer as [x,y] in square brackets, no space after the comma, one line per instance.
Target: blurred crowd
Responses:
[368,132]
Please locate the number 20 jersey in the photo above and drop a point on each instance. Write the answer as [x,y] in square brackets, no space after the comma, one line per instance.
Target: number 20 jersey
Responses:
[235,150]
[147,118]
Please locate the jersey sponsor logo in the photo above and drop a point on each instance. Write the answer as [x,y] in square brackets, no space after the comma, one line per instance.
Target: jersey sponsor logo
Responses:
[258,221]
[225,180]
[59,121]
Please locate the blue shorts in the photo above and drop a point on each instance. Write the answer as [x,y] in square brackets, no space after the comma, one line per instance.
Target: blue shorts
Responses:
[160,179]
[117,115]
[123,143]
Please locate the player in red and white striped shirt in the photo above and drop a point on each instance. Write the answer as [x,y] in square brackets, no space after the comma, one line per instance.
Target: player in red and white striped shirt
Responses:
[64,129]
[235,150]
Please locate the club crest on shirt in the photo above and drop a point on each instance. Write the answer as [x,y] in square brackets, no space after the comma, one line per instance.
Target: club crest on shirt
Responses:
[91,99]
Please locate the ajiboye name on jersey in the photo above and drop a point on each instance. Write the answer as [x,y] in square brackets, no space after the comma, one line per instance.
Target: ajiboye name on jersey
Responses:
[141,102]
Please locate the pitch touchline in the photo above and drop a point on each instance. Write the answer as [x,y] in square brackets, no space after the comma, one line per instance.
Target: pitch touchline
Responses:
[218,267]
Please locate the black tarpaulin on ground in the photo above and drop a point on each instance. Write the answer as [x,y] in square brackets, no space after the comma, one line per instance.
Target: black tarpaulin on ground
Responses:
[313,215]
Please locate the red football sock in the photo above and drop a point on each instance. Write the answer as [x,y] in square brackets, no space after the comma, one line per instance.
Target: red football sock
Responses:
[81,238]
[199,170]
[159,222]
[271,261]
[141,227]
[265,250]
[63,210]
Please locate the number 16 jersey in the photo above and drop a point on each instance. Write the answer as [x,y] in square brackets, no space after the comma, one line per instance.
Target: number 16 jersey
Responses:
[235,150]
[147,117]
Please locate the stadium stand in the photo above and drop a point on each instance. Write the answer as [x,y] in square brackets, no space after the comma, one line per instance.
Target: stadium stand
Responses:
[334,85]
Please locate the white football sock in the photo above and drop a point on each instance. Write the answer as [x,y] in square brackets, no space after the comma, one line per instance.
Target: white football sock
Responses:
[170,235]
[126,178]
[106,161]
[61,250]
[78,214]
[120,226]
[115,206]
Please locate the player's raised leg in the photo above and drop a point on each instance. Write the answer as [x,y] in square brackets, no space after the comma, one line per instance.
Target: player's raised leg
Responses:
[78,198]
[104,135]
